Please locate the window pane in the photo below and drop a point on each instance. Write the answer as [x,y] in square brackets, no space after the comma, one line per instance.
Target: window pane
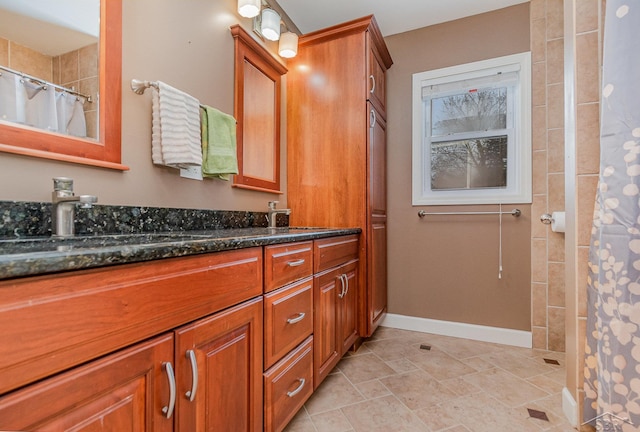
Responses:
[469,164]
[474,110]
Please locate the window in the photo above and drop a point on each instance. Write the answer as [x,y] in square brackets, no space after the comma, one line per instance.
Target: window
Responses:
[472,133]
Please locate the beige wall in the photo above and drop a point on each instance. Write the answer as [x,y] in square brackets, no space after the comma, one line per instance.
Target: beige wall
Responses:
[190,48]
[446,268]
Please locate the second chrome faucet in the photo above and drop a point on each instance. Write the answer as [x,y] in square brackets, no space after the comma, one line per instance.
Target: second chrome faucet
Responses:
[273,213]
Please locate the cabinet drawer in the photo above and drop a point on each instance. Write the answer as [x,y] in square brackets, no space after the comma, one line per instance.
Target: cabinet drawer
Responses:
[288,319]
[287,263]
[287,386]
[334,251]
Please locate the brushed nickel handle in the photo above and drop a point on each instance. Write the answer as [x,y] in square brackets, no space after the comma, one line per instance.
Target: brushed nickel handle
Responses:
[299,389]
[342,291]
[168,410]
[296,263]
[546,219]
[373,83]
[191,394]
[299,318]
[346,282]
[373,119]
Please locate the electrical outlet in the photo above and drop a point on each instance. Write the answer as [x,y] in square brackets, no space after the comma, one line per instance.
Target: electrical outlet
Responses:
[194,172]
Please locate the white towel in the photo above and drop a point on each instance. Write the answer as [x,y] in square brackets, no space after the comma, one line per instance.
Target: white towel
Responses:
[175,129]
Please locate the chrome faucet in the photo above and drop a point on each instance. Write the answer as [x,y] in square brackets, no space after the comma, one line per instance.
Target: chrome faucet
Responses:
[63,205]
[273,212]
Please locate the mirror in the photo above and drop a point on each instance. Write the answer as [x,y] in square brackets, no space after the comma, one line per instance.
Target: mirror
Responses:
[89,45]
[257,111]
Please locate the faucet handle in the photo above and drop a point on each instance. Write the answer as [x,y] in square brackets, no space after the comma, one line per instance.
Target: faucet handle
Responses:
[272,205]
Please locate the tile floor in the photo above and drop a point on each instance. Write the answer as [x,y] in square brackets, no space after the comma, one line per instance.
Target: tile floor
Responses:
[458,385]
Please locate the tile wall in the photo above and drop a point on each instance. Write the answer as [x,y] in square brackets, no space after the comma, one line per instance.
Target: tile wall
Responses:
[76,69]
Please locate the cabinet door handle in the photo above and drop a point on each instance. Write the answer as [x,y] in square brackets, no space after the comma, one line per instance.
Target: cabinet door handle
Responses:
[373,84]
[168,410]
[299,318]
[191,394]
[346,282]
[342,291]
[296,263]
[373,119]
[298,389]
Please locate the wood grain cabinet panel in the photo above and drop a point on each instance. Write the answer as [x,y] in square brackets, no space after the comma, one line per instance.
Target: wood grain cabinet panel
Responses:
[122,392]
[228,352]
[288,319]
[287,386]
[287,263]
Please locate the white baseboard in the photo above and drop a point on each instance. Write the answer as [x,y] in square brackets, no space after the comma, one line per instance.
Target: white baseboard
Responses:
[569,407]
[504,336]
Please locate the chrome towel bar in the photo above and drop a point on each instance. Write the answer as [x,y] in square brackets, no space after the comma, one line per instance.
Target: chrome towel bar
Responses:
[515,212]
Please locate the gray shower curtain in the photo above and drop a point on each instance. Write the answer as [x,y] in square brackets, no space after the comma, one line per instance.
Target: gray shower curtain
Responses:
[612,357]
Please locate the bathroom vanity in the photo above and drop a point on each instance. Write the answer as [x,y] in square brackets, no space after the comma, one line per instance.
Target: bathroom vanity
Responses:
[229,330]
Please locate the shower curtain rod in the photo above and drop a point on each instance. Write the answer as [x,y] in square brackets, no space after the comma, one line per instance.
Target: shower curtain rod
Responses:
[46,83]
[515,212]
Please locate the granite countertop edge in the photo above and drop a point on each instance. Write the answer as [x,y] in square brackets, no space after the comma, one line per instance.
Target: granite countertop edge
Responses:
[38,256]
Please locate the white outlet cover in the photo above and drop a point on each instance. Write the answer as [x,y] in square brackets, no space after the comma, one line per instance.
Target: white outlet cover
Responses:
[194,173]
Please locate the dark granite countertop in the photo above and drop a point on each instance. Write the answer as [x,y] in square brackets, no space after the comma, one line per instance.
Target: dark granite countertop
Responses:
[30,256]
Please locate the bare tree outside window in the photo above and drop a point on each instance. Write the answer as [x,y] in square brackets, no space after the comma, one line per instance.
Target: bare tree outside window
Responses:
[462,155]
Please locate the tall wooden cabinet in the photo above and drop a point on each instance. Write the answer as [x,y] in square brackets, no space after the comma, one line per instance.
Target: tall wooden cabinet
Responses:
[336,124]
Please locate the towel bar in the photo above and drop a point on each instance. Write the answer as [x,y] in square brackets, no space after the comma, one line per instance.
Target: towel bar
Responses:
[515,212]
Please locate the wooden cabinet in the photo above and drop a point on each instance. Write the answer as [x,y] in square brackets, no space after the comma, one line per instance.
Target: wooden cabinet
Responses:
[336,153]
[124,392]
[288,328]
[62,321]
[185,344]
[219,371]
[335,305]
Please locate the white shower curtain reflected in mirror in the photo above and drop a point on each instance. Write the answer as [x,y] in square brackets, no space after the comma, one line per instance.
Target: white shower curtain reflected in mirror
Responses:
[612,357]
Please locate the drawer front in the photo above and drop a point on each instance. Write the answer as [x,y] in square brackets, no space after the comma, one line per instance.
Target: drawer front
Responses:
[54,322]
[287,263]
[334,251]
[287,386]
[288,319]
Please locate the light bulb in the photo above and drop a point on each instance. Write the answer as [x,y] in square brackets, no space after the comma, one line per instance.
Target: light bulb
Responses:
[270,27]
[288,45]
[249,8]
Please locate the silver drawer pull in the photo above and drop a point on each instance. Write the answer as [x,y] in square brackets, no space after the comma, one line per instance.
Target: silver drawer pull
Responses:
[299,389]
[191,394]
[168,410]
[373,84]
[299,318]
[296,263]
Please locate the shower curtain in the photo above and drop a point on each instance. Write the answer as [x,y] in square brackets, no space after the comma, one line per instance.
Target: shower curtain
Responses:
[612,353]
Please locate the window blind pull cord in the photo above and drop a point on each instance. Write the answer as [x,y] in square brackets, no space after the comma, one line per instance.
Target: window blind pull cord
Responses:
[500,244]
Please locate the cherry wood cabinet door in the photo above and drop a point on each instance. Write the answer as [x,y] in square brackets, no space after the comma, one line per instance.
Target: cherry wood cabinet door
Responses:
[377,224]
[347,307]
[226,374]
[325,328]
[124,392]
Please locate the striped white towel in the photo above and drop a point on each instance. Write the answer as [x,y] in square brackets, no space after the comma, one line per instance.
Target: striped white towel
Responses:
[175,129]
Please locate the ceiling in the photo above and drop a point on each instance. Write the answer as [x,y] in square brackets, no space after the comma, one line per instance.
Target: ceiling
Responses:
[393,16]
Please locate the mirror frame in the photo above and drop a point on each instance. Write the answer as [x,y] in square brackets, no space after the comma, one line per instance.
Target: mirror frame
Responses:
[249,50]
[105,152]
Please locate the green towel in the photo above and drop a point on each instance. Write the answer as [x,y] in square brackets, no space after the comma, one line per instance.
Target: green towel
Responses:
[219,156]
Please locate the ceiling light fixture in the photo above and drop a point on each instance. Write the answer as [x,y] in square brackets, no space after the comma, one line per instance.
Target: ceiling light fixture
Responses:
[270,25]
[249,8]
[288,46]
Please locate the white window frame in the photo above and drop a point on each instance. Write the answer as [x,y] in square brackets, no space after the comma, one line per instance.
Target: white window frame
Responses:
[518,189]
